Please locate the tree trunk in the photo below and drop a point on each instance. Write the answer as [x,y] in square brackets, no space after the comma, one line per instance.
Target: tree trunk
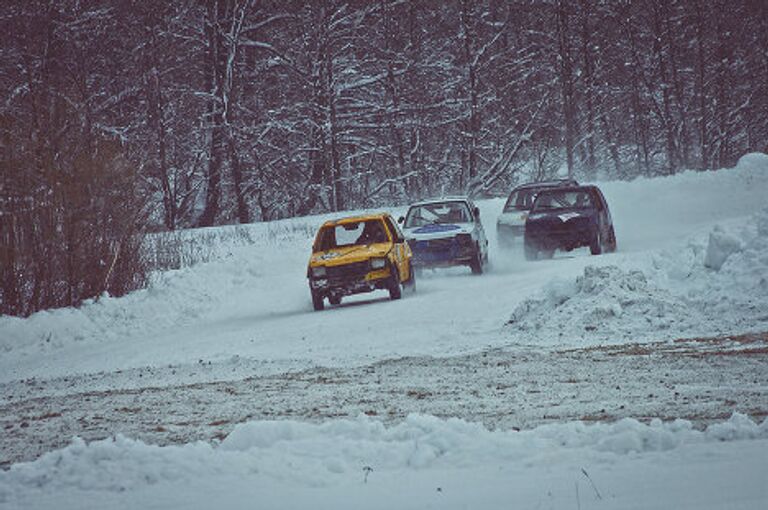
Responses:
[589,86]
[473,124]
[701,69]
[566,83]
[214,117]
[333,136]
[663,83]
[683,136]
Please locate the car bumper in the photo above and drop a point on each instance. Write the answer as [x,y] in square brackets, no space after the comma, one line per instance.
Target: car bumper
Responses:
[566,239]
[441,253]
[351,283]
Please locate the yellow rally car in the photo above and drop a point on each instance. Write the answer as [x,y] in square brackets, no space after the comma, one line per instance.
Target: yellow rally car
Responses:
[359,254]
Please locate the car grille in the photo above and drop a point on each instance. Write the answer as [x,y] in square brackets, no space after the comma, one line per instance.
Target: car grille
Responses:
[348,270]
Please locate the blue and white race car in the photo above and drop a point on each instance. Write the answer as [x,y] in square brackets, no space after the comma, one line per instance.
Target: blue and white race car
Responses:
[446,232]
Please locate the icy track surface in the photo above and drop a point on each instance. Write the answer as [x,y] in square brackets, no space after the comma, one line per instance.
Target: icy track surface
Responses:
[211,351]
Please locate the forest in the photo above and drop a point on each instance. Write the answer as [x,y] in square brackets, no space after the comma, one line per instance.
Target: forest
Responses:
[123,117]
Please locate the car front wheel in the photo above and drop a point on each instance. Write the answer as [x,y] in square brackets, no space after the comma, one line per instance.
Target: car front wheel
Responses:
[476,265]
[395,290]
[317,301]
[612,240]
[596,245]
[410,285]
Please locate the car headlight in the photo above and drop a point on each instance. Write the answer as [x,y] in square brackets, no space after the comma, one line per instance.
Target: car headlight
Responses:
[318,272]
[378,263]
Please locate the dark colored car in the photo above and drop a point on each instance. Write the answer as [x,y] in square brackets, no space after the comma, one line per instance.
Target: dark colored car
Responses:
[446,232]
[568,218]
[511,222]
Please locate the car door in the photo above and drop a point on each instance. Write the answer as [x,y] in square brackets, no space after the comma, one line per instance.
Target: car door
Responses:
[603,216]
[482,240]
[608,219]
[400,249]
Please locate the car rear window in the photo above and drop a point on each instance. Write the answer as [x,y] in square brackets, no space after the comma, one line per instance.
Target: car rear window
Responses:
[572,199]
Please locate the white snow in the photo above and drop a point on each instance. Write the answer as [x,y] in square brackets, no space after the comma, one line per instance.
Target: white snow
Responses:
[424,462]
[717,286]
[721,245]
[692,261]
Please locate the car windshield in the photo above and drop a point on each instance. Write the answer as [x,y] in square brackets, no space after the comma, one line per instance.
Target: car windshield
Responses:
[520,200]
[352,234]
[551,200]
[439,212]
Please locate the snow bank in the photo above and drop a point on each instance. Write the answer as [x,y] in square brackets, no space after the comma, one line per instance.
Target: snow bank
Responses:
[605,303]
[327,454]
[647,212]
[172,298]
[700,288]
[721,246]
[754,161]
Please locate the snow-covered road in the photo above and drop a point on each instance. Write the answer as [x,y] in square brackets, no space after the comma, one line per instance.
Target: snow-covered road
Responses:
[692,263]
[254,305]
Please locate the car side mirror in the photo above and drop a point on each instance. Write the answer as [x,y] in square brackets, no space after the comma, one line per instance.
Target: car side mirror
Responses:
[476,211]
[401,219]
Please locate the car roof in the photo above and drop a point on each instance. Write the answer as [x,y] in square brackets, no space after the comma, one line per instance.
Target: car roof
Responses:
[356,218]
[559,189]
[455,198]
[556,183]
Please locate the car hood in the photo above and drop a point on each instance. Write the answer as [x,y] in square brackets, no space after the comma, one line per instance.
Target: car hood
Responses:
[349,254]
[438,231]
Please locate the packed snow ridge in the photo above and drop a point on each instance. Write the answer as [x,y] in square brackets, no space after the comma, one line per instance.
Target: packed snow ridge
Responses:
[715,284]
[328,454]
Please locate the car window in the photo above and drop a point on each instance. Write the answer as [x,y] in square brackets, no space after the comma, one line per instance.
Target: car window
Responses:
[352,234]
[438,212]
[520,200]
[394,230]
[572,199]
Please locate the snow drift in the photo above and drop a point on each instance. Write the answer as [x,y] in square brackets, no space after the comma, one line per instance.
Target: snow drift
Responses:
[340,450]
[714,284]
